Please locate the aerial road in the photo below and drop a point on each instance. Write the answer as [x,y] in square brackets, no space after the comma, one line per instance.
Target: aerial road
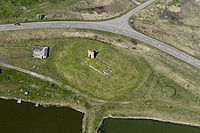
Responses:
[119,26]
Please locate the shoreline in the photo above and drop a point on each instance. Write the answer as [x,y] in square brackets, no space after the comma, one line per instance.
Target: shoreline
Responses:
[84,112]
[151,118]
[45,105]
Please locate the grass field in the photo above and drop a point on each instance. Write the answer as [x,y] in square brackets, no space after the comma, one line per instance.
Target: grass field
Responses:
[13,85]
[140,82]
[174,22]
[43,10]
[122,76]
[12,9]
[130,76]
[69,62]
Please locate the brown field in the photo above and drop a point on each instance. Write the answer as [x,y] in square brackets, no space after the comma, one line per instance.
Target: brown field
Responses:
[46,10]
[174,22]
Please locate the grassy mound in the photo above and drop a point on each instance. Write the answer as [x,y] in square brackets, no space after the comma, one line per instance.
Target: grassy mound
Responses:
[113,73]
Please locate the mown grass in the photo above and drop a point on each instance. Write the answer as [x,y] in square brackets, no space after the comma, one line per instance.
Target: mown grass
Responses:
[126,73]
[131,77]
[69,62]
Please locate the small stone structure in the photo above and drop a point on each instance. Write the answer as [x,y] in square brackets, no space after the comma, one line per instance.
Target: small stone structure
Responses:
[19,101]
[40,52]
[26,93]
[37,105]
[91,54]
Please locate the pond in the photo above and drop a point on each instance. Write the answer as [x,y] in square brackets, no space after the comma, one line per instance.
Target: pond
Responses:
[26,118]
[144,126]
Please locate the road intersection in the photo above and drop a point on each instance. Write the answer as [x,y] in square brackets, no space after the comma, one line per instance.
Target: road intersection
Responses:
[118,26]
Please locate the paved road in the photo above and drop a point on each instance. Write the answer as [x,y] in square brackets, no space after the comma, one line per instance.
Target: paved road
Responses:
[119,26]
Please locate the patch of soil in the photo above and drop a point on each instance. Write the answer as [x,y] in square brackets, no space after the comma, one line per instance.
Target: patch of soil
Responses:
[98,10]
[170,16]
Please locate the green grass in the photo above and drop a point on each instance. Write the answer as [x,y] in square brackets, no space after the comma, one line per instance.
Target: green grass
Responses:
[10,9]
[13,84]
[68,58]
[32,3]
[173,2]
[135,77]
[130,76]
[72,63]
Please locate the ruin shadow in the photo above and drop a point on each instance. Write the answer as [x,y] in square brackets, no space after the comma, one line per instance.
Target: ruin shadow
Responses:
[95,54]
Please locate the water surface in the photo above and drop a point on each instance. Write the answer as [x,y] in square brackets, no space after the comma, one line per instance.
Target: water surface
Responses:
[144,126]
[26,118]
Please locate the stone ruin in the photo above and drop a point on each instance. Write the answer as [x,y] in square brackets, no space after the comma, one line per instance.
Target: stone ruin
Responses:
[40,52]
[91,54]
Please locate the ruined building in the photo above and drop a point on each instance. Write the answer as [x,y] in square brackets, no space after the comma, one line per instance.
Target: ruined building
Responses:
[40,52]
[91,54]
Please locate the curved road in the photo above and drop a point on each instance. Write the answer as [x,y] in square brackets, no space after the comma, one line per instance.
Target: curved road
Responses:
[119,26]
